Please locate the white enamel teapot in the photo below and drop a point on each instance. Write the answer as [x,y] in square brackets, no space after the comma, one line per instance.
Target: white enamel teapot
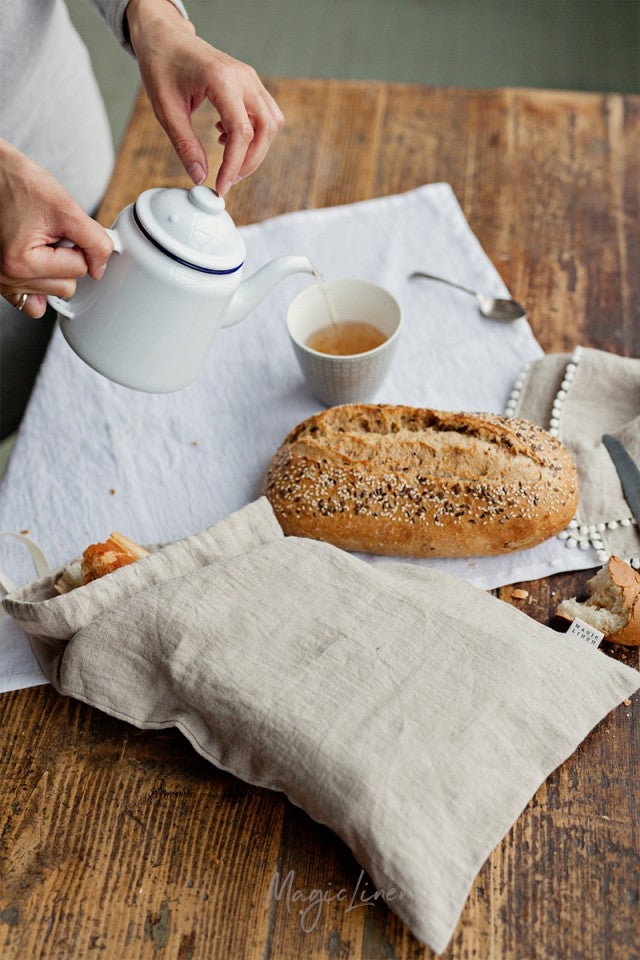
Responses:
[174,278]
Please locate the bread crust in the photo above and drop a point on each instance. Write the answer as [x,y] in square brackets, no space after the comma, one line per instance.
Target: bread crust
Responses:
[415,482]
[98,560]
[102,558]
[627,581]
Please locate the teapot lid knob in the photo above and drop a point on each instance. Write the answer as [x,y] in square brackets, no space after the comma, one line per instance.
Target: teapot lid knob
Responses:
[206,199]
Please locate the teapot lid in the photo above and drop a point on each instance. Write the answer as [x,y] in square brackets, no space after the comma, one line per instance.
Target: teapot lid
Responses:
[192,227]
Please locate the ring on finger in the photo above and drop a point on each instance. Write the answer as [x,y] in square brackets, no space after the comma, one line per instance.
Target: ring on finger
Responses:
[22,299]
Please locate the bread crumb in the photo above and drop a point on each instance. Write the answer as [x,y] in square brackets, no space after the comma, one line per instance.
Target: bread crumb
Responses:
[24,532]
[112,491]
[519,594]
[627,703]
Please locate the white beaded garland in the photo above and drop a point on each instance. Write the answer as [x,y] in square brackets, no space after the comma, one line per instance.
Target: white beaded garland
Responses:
[578,535]
[561,395]
[514,396]
[586,535]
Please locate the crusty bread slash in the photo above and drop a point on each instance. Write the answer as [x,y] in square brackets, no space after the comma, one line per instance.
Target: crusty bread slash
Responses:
[425,483]
[99,559]
[613,606]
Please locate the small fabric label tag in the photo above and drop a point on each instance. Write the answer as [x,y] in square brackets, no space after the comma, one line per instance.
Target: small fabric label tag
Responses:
[586,632]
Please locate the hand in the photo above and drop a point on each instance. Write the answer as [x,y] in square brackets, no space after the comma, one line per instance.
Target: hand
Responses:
[180,71]
[36,212]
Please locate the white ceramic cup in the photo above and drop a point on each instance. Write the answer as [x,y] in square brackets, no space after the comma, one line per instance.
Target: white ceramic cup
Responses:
[344,379]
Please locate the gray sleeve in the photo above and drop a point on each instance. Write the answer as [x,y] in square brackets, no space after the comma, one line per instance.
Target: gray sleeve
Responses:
[112,12]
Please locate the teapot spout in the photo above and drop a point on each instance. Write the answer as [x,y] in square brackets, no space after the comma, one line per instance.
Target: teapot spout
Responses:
[252,291]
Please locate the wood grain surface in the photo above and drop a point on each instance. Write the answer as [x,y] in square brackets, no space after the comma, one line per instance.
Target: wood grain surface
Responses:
[126,844]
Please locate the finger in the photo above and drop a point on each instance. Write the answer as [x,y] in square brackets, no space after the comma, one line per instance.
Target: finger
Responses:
[240,133]
[35,306]
[93,247]
[270,104]
[64,288]
[56,263]
[274,108]
[176,121]
[266,127]
[92,239]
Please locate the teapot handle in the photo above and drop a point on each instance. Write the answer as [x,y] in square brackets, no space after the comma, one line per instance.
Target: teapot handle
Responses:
[65,306]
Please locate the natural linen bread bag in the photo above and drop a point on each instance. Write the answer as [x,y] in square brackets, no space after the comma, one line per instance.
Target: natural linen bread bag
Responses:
[411,712]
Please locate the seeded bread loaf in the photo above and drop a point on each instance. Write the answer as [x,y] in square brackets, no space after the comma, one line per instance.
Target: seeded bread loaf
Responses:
[421,483]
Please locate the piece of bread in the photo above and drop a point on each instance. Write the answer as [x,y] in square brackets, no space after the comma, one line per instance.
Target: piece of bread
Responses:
[99,559]
[421,483]
[70,579]
[613,606]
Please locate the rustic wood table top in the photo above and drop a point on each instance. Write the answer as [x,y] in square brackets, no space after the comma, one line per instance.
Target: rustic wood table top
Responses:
[129,844]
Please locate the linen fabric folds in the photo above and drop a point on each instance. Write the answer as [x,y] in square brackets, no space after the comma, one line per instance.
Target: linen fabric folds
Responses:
[409,711]
[587,394]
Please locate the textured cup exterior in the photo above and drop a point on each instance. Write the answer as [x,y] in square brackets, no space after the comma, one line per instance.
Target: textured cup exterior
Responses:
[336,380]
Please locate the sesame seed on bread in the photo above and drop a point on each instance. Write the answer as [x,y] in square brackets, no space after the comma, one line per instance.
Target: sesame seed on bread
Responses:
[417,482]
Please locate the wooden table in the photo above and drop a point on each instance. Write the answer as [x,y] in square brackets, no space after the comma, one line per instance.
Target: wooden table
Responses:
[124,844]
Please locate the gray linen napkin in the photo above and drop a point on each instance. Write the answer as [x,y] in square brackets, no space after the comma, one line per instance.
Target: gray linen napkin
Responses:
[411,712]
[579,397]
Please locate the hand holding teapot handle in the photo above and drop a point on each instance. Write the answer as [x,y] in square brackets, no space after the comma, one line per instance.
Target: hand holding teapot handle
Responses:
[63,306]
[36,212]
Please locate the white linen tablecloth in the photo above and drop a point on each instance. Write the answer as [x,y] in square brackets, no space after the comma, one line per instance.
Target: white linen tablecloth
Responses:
[92,457]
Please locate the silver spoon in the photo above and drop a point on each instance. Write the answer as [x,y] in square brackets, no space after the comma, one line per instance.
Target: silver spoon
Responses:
[492,307]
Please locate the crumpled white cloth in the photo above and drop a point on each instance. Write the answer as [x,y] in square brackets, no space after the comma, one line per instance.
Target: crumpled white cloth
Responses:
[92,456]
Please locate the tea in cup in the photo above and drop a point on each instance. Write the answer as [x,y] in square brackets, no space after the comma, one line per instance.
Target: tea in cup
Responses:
[342,338]
[344,334]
